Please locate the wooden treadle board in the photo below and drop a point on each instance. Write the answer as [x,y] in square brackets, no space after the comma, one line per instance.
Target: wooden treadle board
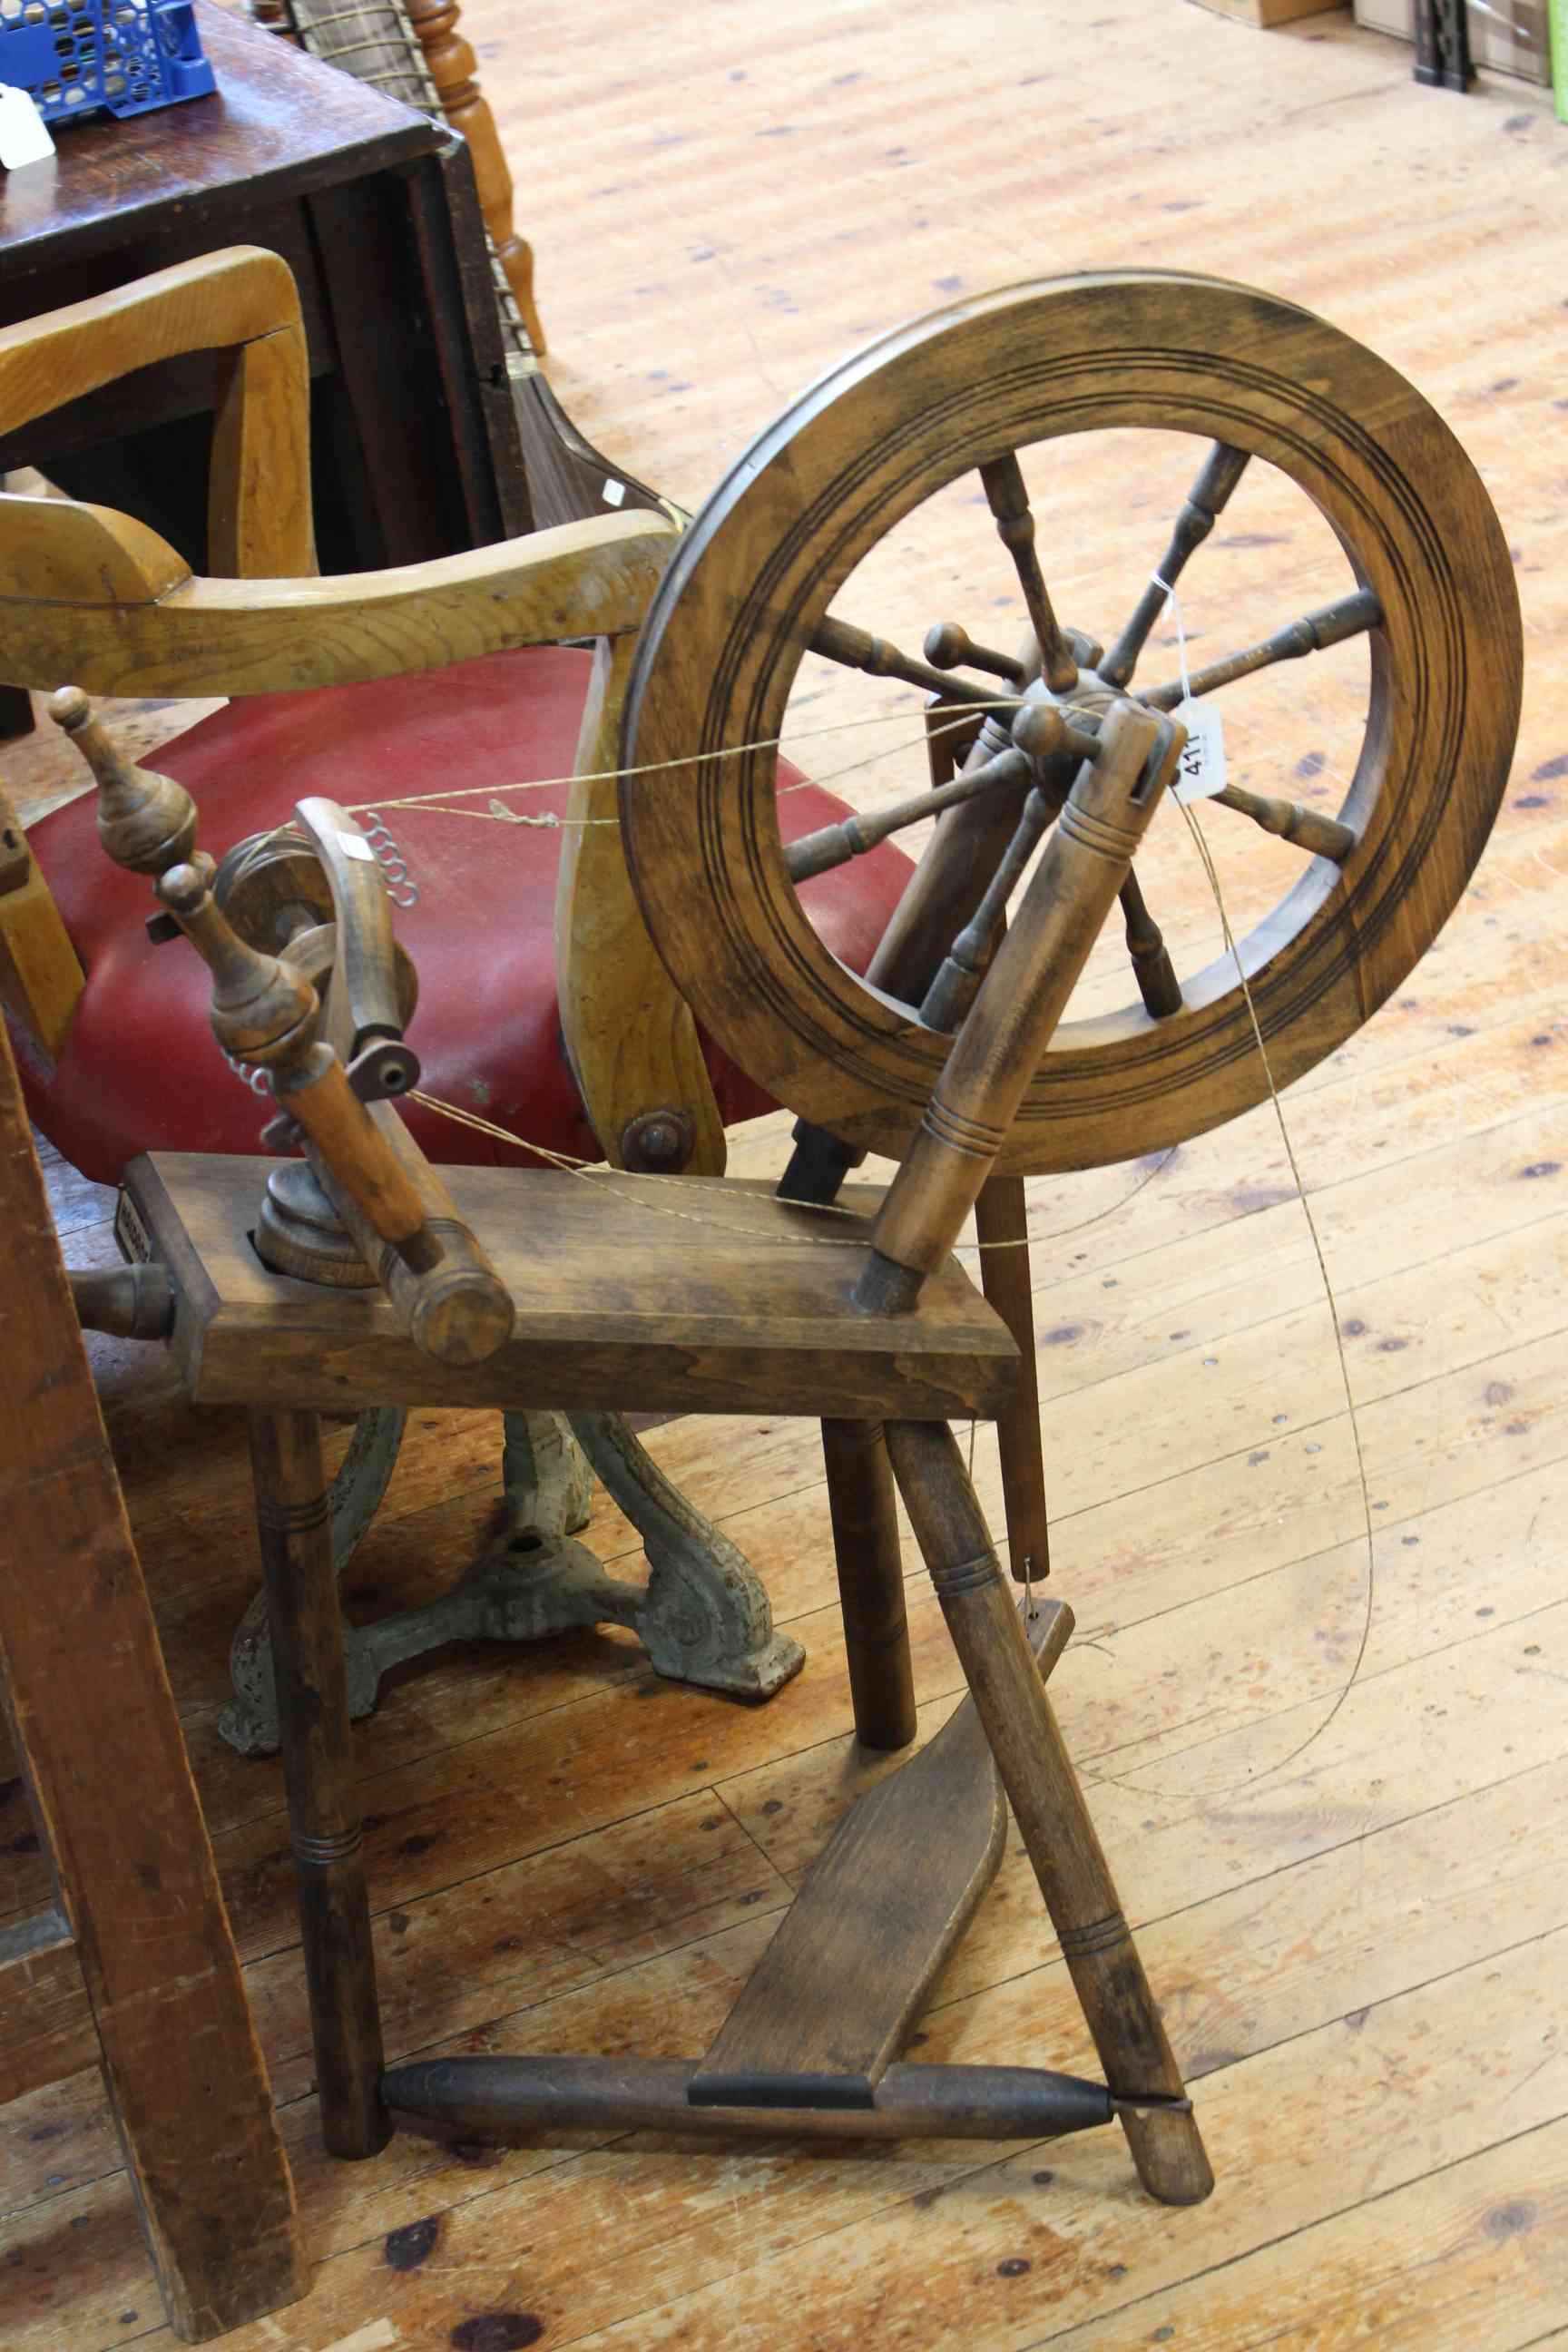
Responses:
[839,1990]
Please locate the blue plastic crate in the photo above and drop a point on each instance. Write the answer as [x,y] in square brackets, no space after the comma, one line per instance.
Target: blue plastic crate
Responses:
[75,56]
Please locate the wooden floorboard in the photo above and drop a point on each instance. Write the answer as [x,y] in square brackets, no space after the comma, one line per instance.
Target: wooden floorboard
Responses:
[1354,1900]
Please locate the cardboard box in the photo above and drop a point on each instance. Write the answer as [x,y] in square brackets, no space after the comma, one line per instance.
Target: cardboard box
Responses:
[1269,12]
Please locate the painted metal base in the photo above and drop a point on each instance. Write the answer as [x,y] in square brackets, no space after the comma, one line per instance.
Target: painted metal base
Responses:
[703,1619]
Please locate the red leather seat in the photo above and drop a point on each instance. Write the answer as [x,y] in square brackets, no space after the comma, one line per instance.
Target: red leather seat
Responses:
[140,1070]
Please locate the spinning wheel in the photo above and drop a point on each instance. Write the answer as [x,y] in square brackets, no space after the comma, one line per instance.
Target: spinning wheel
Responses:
[1429,586]
[954,1056]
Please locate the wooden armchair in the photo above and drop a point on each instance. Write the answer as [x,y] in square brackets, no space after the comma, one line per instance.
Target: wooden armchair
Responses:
[375,687]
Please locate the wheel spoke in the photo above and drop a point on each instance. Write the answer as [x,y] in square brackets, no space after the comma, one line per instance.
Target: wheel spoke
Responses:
[1009,503]
[1325,836]
[1152,965]
[1222,469]
[1044,734]
[1329,626]
[954,990]
[855,648]
[836,845]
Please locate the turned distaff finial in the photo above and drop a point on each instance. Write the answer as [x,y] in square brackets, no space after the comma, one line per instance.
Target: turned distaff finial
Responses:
[264,1010]
[145,821]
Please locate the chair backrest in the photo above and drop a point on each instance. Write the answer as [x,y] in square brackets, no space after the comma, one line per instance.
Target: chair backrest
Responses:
[96,599]
[242,305]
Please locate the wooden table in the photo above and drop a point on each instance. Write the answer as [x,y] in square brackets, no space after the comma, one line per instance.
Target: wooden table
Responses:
[373,206]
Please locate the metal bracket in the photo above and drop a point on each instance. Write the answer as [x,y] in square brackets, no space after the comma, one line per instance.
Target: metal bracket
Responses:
[834,2091]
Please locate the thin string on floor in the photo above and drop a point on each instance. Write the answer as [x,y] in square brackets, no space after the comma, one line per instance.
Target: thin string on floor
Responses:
[1249,1781]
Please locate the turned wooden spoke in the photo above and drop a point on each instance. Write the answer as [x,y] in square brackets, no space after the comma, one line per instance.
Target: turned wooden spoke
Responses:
[1331,624]
[1325,836]
[1152,965]
[952,647]
[1009,502]
[1041,733]
[1222,469]
[835,845]
[954,990]
[839,641]
[1043,730]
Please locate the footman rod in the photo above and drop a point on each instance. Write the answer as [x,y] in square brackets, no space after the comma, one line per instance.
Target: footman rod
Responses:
[518,2095]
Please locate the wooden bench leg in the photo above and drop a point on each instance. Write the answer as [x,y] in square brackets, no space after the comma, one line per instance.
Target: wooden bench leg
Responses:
[1048,1804]
[870,1581]
[318,1775]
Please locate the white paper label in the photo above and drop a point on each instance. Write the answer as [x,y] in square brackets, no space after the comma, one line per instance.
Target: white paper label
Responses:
[353,845]
[1200,773]
[614,492]
[24,133]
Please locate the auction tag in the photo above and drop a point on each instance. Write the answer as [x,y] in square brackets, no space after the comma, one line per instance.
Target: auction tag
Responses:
[24,133]
[1200,773]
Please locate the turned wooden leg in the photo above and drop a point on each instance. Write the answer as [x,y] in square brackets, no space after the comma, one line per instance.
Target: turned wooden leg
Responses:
[1048,1804]
[318,1776]
[1000,1216]
[452,67]
[870,1581]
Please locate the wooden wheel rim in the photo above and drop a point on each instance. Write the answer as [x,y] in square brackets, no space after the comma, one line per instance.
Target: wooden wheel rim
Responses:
[763,559]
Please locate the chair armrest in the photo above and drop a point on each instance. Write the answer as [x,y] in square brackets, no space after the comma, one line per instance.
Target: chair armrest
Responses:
[123,629]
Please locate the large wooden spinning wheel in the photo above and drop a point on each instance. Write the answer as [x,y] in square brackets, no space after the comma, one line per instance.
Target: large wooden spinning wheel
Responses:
[1427,584]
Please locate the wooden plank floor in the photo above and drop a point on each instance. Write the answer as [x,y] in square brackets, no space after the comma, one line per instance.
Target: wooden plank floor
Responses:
[1356,1907]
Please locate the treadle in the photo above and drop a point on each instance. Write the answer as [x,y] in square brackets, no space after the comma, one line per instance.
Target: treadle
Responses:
[808,2047]
[629,1297]
[839,1990]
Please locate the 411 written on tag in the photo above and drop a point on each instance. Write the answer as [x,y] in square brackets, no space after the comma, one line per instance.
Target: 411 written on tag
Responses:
[1200,773]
